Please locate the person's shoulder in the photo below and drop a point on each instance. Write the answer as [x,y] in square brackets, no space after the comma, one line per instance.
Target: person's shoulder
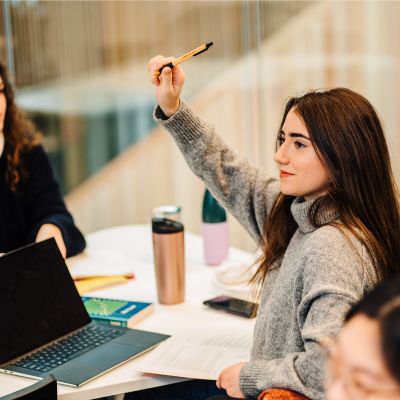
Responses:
[34,152]
[34,159]
[335,246]
[331,238]
[334,253]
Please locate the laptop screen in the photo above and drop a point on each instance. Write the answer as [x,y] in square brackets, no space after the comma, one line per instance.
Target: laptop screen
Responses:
[38,299]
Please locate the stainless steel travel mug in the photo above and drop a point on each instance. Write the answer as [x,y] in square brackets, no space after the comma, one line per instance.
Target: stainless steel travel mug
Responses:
[169,260]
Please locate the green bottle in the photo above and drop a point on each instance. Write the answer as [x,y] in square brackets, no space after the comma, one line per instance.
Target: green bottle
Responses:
[214,230]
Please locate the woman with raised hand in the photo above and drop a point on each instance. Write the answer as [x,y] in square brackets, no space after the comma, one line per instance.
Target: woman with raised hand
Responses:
[365,361]
[31,204]
[329,228]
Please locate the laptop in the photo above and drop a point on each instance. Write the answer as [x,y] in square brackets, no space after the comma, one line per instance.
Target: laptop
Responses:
[45,328]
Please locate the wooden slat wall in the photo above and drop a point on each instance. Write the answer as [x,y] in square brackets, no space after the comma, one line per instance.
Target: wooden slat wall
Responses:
[322,47]
[56,40]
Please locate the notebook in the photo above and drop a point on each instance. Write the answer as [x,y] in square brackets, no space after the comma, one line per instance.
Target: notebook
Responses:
[45,328]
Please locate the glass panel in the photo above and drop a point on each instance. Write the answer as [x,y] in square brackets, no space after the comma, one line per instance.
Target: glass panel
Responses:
[80,65]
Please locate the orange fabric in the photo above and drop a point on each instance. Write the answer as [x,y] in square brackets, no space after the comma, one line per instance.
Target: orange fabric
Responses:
[281,394]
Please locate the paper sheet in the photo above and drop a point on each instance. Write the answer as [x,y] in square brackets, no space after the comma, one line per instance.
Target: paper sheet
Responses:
[197,355]
[92,263]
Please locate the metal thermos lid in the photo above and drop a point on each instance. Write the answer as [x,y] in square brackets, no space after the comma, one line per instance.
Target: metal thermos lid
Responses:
[166,226]
[169,212]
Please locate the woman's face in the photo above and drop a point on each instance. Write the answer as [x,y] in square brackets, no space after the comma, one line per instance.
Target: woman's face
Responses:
[3,105]
[301,172]
[356,369]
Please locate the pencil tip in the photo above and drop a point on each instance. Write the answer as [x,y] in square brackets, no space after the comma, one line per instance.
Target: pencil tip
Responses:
[209,44]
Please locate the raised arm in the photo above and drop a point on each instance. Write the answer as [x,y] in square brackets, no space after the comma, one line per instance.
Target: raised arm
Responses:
[245,190]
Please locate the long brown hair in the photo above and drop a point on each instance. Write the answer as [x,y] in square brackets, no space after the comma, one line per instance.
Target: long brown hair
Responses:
[348,138]
[20,134]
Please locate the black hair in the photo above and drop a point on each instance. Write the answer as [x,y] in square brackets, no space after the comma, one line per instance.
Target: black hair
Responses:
[383,305]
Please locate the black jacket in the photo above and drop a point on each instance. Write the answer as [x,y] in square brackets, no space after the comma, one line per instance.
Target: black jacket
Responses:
[38,201]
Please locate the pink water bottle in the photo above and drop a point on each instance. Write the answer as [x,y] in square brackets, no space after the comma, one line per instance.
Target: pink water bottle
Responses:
[214,230]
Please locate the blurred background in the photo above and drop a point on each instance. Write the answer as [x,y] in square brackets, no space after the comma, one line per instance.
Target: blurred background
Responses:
[79,68]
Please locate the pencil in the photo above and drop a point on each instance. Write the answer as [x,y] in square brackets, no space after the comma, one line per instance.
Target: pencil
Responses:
[195,52]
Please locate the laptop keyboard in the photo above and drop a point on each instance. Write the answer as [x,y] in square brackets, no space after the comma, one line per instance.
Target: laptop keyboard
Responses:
[68,348]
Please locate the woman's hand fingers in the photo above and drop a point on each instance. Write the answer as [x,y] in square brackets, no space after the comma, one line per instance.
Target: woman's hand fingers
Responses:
[218,382]
[229,380]
[154,66]
[168,84]
[47,231]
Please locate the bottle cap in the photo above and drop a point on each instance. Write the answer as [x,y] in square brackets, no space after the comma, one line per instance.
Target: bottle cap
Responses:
[213,212]
[165,226]
[168,211]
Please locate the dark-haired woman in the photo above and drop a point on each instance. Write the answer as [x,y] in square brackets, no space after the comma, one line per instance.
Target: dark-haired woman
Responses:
[31,204]
[329,228]
[365,362]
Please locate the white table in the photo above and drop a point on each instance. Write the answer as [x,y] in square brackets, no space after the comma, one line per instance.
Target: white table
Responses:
[135,242]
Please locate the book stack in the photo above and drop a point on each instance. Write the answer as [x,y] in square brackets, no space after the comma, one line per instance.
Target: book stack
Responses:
[116,312]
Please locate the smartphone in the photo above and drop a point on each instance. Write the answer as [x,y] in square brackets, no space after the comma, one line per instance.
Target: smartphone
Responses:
[232,305]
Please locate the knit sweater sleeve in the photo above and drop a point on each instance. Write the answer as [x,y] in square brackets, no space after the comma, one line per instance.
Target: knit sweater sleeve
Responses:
[44,204]
[243,189]
[332,280]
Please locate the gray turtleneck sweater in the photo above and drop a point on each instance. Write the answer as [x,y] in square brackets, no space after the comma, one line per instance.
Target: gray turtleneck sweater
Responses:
[307,293]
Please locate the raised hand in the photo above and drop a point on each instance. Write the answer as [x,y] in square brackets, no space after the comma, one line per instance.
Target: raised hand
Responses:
[168,85]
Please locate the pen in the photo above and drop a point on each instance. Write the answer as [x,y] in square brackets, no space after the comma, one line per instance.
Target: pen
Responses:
[195,52]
